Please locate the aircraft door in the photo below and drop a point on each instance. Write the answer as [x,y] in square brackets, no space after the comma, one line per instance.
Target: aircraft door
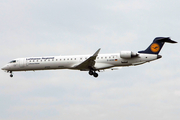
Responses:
[22,62]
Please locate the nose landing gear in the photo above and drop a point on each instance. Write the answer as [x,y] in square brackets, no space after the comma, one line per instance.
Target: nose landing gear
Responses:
[91,72]
[11,75]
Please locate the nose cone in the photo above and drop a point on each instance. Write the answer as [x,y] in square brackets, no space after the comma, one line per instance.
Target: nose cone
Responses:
[4,68]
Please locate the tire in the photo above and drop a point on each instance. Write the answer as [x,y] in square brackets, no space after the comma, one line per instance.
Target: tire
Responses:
[95,75]
[91,72]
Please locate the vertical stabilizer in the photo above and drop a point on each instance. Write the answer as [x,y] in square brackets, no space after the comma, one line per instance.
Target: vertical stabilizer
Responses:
[157,45]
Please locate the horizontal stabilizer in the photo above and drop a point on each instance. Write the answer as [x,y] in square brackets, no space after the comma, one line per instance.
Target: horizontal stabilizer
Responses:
[168,40]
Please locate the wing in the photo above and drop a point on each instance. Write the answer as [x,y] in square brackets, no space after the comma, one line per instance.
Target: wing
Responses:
[89,63]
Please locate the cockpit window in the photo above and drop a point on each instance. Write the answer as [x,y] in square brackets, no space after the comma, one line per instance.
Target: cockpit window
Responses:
[13,61]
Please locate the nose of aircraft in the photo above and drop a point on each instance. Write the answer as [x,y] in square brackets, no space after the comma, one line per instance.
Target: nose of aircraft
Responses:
[4,67]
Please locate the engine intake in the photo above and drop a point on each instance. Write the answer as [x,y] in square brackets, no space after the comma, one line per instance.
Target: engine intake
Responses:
[128,54]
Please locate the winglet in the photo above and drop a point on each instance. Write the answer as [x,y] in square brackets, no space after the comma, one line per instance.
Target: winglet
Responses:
[97,52]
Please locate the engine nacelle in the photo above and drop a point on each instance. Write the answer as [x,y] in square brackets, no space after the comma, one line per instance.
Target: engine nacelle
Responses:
[127,54]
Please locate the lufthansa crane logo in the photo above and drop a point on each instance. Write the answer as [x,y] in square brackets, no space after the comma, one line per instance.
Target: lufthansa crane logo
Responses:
[155,47]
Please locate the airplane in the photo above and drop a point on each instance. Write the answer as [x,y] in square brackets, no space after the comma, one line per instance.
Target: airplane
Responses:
[92,63]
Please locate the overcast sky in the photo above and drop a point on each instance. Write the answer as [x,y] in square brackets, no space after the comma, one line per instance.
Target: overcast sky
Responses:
[70,27]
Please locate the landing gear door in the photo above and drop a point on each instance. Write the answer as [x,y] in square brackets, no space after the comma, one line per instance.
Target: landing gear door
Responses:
[22,62]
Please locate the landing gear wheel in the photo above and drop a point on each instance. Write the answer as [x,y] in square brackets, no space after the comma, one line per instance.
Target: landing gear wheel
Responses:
[91,72]
[95,74]
[11,75]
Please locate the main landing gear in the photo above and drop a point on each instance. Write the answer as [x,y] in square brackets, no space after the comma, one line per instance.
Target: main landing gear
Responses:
[91,72]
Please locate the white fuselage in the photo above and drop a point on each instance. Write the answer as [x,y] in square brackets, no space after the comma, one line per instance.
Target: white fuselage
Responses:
[102,61]
[91,63]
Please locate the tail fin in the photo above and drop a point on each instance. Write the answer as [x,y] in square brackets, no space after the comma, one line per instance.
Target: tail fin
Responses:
[156,45]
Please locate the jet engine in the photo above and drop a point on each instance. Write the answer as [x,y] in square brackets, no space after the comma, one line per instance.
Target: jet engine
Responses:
[128,54]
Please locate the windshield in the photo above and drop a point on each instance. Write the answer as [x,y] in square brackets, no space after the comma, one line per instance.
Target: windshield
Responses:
[13,61]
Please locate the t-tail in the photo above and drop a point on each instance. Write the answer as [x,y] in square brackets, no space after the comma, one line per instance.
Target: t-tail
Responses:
[157,45]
